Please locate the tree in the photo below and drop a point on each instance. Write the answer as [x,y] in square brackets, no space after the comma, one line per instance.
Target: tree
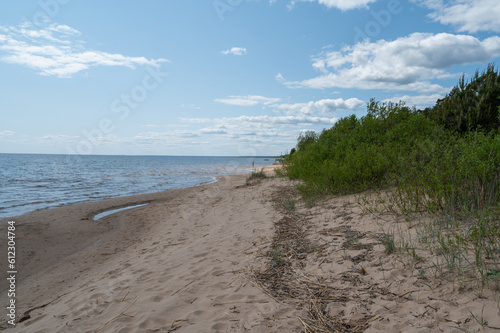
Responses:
[471,105]
[306,139]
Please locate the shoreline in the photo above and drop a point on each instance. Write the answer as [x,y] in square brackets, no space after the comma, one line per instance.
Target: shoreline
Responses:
[40,186]
[62,205]
[62,252]
[210,259]
[66,220]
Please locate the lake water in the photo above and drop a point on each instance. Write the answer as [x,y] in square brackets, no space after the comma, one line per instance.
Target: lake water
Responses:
[30,182]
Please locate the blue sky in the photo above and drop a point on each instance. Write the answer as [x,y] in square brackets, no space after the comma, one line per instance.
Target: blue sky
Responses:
[222,77]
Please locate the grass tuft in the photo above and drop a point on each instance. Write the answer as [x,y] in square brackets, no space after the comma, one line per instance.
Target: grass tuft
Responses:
[257,175]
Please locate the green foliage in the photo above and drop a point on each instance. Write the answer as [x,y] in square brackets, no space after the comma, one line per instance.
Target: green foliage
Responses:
[452,175]
[390,244]
[471,105]
[305,139]
[493,274]
[443,161]
[360,154]
[432,168]
[257,175]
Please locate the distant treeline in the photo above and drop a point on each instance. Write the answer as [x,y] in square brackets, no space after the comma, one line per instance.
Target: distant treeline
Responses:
[444,158]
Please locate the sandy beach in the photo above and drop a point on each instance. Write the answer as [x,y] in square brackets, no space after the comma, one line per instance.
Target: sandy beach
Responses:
[203,259]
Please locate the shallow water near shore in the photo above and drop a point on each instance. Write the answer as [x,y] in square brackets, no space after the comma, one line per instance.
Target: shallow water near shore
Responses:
[32,182]
[112,211]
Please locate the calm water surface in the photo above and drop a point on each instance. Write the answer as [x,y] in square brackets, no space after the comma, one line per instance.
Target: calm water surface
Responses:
[31,182]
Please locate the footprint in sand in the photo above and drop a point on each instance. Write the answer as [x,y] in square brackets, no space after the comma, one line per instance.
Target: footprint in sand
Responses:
[157,298]
[219,327]
[218,272]
[119,282]
[195,317]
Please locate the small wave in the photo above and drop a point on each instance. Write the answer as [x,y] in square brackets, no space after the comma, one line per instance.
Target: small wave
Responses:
[33,203]
[45,180]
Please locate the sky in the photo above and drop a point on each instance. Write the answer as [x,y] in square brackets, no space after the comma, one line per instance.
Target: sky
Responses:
[223,77]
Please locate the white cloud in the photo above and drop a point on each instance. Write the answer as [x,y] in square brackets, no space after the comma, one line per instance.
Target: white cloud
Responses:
[265,120]
[60,138]
[215,130]
[279,77]
[339,4]
[308,109]
[286,120]
[232,132]
[421,101]
[466,15]
[160,140]
[167,135]
[7,133]
[249,132]
[323,106]
[54,51]
[249,100]
[407,63]
[235,51]
[191,106]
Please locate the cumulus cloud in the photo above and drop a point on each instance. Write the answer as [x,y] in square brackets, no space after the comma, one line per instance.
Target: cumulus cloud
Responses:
[323,106]
[286,120]
[407,63]
[55,51]
[343,5]
[266,120]
[420,101]
[465,15]
[249,100]
[310,108]
[272,132]
[215,130]
[235,51]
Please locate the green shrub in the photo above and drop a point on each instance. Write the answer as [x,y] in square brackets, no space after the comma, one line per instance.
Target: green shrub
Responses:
[257,175]
[359,154]
[444,161]
[431,168]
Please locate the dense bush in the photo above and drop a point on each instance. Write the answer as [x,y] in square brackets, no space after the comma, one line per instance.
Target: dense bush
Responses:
[444,161]
[438,160]
[359,154]
[457,175]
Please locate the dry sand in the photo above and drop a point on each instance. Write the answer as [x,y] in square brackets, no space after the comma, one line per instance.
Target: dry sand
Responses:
[188,262]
